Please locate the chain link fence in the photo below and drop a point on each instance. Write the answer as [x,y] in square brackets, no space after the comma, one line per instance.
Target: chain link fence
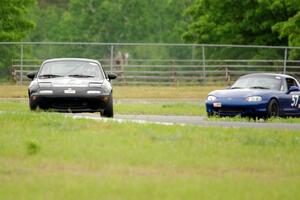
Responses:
[155,64]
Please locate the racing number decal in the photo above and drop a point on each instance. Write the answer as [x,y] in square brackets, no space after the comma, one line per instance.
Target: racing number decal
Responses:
[295,99]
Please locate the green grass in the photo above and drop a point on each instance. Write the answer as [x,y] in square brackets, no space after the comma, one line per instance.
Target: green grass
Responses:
[51,156]
[246,119]
[189,109]
[14,105]
[161,109]
[124,108]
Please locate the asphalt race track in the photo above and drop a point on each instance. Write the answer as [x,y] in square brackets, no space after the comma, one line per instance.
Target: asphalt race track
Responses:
[187,120]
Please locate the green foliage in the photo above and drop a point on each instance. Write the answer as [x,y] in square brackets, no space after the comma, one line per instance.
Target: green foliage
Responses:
[243,22]
[110,21]
[107,21]
[7,52]
[291,29]
[14,26]
[262,22]
[13,22]
[47,23]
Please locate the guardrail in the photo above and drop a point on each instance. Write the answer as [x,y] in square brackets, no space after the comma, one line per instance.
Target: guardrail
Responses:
[165,64]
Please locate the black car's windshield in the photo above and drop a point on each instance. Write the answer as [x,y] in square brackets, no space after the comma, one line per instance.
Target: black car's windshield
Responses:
[258,82]
[78,69]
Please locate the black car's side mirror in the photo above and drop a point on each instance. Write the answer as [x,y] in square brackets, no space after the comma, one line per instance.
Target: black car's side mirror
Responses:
[31,75]
[293,89]
[111,76]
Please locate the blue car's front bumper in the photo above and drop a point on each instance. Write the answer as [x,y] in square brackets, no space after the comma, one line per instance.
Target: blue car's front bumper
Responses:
[224,107]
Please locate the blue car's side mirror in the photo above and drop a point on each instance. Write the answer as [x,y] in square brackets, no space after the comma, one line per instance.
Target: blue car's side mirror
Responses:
[293,89]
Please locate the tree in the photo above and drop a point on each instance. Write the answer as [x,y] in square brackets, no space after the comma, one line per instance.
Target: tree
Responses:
[290,29]
[14,25]
[261,22]
[123,21]
[110,21]
[47,22]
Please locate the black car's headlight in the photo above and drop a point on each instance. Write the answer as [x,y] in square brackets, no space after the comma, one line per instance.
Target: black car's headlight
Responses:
[45,84]
[254,98]
[93,92]
[211,98]
[95,84]
[46,92]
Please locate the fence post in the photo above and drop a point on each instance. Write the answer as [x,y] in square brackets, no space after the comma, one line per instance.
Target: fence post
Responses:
[203,61]
[174,73]
[21,65]
[226,74]
[285,60]
[111,57]
[193,52]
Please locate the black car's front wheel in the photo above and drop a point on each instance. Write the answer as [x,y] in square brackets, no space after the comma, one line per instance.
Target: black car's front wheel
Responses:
[109,109]
[32,104]
[272,109]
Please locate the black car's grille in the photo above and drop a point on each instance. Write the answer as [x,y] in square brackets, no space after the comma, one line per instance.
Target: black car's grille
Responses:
[231,110]
[69,104]
[72,103]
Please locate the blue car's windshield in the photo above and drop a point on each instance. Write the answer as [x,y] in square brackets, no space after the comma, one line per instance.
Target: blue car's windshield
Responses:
[258,82]
[79,69]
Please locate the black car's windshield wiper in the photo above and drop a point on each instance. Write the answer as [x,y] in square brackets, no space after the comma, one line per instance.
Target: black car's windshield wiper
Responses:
[259,87]
[236,88]
[49,75]
[81,76]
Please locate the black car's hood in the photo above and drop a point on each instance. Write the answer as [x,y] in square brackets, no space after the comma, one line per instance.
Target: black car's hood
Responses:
[69,81]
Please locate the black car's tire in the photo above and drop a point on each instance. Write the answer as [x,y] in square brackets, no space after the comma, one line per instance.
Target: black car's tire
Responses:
[109,109]
[210,114]
[272,109]
[32,105]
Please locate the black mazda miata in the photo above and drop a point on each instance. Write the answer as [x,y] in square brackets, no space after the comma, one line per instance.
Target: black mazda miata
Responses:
[71,85]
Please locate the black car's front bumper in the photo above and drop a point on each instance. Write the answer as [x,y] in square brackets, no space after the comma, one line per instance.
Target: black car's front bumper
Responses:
[80,101]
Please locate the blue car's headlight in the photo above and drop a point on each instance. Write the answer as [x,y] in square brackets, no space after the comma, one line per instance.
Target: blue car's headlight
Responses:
[254,98]
[211,98]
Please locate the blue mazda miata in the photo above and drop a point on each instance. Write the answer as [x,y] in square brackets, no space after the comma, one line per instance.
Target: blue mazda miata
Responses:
[261,95]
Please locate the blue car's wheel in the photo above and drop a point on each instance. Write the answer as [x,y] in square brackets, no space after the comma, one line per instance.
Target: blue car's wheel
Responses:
[273,109]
